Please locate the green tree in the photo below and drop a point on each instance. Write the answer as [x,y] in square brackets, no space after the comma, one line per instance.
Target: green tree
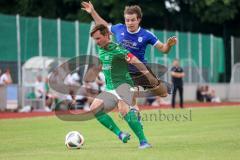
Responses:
[216,11]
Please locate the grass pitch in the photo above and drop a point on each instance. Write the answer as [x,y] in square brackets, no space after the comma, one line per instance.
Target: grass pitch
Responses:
[199,134]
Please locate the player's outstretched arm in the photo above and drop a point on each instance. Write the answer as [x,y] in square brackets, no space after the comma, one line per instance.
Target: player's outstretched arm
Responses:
[165,47]
[88,7]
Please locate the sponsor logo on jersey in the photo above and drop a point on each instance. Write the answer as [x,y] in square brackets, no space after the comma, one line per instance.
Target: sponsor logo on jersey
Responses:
[106,67]
[130,44]
[106,57]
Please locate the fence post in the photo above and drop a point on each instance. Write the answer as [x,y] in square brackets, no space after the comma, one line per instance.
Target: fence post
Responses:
[40,36]
[211,58]
[152,50]
[165,55]
[77,38]
[232,52]
[20,100]
[200,56]
[189,57]
[177,46]
[59,38]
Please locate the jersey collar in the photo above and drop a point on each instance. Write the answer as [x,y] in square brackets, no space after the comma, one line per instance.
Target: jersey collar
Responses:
[133,32]
[110,46]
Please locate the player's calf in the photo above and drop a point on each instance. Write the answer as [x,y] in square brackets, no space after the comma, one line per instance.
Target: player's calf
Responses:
[159,90]
[162,89]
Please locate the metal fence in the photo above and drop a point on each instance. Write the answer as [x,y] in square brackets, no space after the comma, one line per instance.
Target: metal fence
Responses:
[22,38]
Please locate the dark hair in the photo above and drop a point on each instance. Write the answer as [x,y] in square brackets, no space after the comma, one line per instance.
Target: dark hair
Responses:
[134,9]
[100,27]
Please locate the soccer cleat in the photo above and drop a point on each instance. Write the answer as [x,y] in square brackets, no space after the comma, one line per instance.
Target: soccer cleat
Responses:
[144,145]
[124,137]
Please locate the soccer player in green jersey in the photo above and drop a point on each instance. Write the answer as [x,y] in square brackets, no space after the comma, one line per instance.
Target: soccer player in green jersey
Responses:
[135,39]
[114,61]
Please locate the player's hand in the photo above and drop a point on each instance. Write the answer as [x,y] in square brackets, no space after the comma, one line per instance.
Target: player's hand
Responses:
[87,6]
[172,41]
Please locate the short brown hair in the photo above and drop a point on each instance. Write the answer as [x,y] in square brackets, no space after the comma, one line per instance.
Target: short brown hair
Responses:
[100,27]
[134,9]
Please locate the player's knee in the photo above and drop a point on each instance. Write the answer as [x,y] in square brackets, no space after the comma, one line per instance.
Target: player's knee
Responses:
[123,111]
[96,105]
[123,108]
[109,100]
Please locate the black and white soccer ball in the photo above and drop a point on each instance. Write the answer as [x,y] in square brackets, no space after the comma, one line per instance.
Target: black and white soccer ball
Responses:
[74,140]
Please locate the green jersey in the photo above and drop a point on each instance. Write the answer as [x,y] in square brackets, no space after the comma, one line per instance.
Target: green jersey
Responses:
[115,66]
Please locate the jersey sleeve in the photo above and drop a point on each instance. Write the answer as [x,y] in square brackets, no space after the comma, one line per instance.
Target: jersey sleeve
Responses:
[115,28]
[152,39]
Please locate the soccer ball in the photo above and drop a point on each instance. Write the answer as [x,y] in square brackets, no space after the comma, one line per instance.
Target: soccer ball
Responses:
[74,140]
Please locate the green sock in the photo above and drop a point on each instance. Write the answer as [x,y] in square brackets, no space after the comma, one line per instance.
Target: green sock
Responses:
[135,125]
[108,122]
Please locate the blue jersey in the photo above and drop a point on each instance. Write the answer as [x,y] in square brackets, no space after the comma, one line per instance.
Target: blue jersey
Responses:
[135,42]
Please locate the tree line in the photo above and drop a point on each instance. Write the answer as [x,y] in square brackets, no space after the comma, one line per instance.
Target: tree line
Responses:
[205,16]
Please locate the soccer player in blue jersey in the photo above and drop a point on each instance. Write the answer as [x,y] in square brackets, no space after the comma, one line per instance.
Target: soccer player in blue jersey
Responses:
[135,39]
